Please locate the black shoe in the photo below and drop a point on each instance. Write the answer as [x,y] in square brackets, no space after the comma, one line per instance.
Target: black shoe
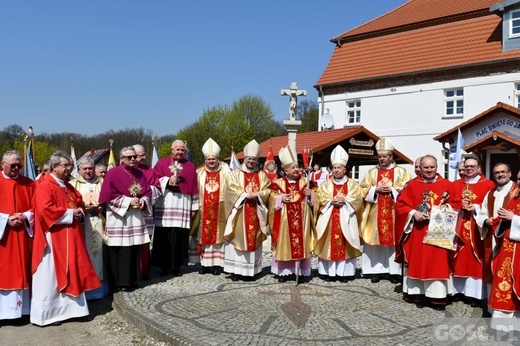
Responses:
[325,278]
[438,307]
[205,270]
[176,272]
[283,278]
[375,279]
[164,273]
[394,279]
[345,279]
[234,277]
[486,314]
[217,270]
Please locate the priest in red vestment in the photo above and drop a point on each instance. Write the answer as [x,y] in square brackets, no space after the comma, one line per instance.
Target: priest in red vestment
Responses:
[16,231]
[427,267]
[469,257]
[61,266]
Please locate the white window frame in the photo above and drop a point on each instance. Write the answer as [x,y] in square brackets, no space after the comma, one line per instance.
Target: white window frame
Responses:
[514,24]
[355,173]
[454,100]
[517,95]
[353,112]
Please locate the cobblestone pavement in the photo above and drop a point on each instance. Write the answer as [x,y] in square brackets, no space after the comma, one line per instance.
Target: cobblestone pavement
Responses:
[200,309]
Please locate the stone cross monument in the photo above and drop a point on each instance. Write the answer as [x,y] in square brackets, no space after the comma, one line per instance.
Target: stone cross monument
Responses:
[292,124]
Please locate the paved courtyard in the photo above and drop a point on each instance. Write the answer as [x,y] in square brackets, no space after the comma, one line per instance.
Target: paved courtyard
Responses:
[213,310]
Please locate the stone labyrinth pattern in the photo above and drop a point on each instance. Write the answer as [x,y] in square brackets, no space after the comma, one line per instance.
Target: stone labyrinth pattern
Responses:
[202,310]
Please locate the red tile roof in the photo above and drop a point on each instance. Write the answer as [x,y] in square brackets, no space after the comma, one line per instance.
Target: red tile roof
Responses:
[420,11]
[440,45]
[320,140]
[445,136]
[316,141]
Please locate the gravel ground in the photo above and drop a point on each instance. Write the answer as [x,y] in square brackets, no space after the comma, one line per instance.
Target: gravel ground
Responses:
[104,326]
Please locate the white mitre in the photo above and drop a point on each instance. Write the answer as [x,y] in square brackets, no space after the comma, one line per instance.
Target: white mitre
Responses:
[339,155]
[252,149]
[384,146]
[210,148]
[287,158]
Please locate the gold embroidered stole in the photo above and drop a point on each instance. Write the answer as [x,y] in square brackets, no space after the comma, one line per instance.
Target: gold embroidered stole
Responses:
[209,221]
[385,209]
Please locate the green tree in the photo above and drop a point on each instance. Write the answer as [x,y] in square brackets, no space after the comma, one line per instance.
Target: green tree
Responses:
[231,127]
[307,112]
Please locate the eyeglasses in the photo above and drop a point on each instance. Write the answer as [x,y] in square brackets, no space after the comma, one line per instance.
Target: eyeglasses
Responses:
[470,166]
[66,165]
[130,157]
[14,165]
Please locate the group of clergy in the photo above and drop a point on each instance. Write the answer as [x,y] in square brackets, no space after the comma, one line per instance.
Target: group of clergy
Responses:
[434,236]
[442,240]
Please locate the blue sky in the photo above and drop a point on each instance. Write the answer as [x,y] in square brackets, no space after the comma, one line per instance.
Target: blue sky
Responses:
[91,66]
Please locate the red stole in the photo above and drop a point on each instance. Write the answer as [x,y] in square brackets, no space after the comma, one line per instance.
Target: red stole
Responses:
[505,288]
[209,221]
[251,222]
[385,209]
[488,242]
[294,216]
[338,243]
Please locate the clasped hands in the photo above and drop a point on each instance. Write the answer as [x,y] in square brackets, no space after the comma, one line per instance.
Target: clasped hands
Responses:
[338,201]
[382,189]
[17,219]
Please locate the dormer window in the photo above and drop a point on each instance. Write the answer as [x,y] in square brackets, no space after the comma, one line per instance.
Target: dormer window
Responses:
[515,24]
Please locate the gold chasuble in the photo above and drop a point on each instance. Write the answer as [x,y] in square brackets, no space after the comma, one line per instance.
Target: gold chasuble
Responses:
[378,220]
[247,228]
[338,238]
[292,230]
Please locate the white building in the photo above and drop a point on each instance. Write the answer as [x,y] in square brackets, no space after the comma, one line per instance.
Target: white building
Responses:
[423,69]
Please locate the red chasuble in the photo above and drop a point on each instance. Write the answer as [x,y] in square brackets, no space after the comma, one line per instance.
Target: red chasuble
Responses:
[424,261]
[338,242]
[470,253]
[209,219]
[74,271]
[294,213]
[252,224]
[385,209]
[505,288]
[16,196]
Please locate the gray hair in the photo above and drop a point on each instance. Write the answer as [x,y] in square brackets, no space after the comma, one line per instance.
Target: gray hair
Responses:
[122,152]
[83,160]
[11,153]
[179,141]
[138,146]
[55,158]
